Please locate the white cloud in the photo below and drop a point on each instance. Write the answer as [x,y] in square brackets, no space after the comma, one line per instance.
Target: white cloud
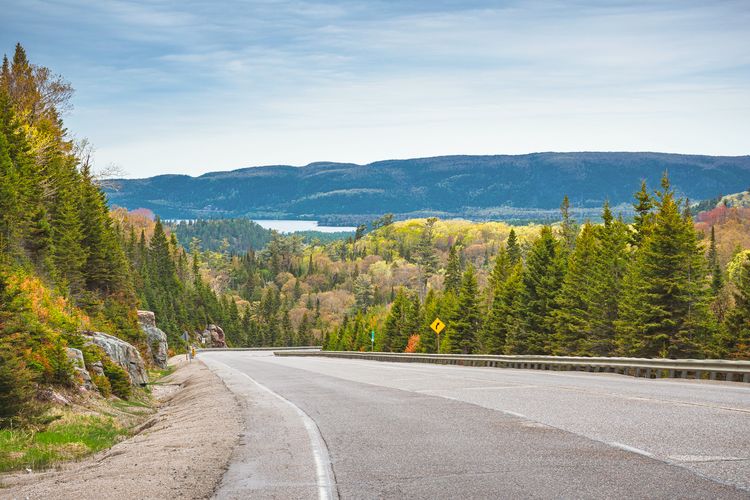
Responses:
[194,86]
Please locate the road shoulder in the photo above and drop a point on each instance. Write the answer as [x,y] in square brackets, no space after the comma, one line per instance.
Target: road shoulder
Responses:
[275,456]
[183,451]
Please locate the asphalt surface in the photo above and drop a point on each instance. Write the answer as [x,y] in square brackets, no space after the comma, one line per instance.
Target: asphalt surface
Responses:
[394,430]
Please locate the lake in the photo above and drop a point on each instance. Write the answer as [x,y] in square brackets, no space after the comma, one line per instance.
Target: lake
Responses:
[291,226]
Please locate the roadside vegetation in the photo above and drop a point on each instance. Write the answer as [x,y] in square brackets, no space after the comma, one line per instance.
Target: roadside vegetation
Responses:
[70,265]
[69,438]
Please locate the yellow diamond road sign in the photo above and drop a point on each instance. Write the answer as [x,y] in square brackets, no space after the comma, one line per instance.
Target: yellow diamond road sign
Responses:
[437,325]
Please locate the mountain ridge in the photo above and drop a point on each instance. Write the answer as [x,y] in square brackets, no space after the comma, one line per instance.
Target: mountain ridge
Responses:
[507,187]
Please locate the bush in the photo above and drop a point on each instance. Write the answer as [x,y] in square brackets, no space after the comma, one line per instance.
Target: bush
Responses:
[102,384]
[61,369]
[119,379]
[17,389]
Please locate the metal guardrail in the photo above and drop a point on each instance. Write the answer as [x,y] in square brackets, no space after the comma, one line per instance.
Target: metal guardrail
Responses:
[279,349]
[712,369]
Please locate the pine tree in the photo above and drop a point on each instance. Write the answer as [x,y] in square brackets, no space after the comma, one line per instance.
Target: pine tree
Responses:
[663,312]
[606,290]
[466,323]
[395,331]
[504,316]
[573,312]
[303,331]
[643,216]
[69,255]
[568,226]
[542,279]
[513,248]
[364,292]
[287,333]
[453,271]
[717,278]
[9,202]
[425,251]
[501,270]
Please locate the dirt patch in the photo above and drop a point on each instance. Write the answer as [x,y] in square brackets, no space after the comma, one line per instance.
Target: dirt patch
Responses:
[182,452]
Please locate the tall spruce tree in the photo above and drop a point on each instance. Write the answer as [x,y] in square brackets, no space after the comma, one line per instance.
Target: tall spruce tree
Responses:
[568,226]
[504,316]
[453,271]
[717,277]
[542,280]
[642,219]
[466,322]
[572,315]
[663,312]
[513,248]
[606,290]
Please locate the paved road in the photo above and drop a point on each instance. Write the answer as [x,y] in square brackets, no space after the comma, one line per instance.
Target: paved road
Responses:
[393,430]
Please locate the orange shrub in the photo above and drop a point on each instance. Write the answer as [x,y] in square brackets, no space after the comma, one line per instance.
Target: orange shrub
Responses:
[411,345]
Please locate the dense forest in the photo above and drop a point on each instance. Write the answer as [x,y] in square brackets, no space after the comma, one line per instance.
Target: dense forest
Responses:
[653,288]
[236,235]
[67,263]
[660,286]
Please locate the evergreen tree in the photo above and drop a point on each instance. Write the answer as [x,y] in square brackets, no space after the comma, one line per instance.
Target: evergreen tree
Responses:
[573,312]
[643,214]
[426,257]
[453,271]
[568,226]
[501,270]
[466,322]
[504,316]
[542,281]
[606,290]
[717,278]
[513,248]
[663,312]
[69,254]
[404,320]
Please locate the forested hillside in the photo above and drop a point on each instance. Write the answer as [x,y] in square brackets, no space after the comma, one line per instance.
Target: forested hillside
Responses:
[68,264]
[228,235]
[511,188]
[654,288]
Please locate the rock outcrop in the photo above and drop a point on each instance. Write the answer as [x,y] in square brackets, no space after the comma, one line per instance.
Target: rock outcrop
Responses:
[123,354]
[155,338]
[213,336]
[75,356]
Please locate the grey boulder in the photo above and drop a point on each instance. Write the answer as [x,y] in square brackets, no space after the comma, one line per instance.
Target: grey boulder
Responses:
[155,338]
[122,353]
[75,356]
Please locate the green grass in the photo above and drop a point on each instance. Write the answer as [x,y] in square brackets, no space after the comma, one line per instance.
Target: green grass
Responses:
[156,374]
[63,440]
[129,405]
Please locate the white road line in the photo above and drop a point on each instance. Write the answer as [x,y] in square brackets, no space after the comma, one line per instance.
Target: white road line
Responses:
[323,470]
[631,449]
[514,414]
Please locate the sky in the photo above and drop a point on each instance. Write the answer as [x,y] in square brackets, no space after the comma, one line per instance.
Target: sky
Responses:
[191,87]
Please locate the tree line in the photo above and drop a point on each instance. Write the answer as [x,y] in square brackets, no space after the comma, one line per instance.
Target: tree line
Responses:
[646,289]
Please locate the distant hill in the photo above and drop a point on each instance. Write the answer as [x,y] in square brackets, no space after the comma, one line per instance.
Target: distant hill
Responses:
[512,188]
